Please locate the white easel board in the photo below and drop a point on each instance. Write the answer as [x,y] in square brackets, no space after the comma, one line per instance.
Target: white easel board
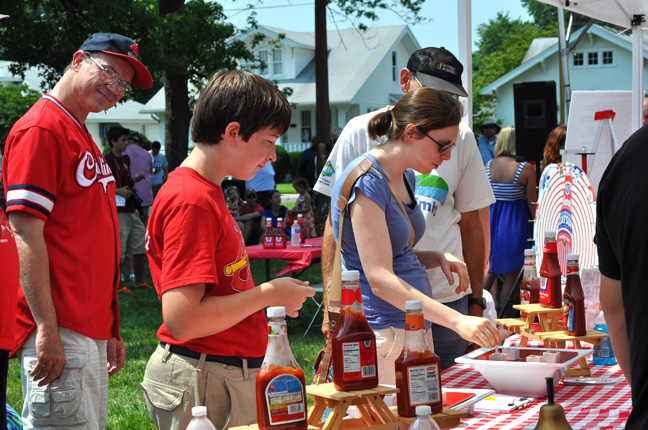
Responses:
[582,128]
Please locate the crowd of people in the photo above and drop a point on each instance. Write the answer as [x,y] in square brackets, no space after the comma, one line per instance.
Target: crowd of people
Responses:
[440,218]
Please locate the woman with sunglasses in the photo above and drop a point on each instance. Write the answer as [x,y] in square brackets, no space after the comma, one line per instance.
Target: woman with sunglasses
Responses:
[419,133]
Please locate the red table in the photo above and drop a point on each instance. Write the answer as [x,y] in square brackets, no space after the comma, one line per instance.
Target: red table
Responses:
[586,406]
[298,258]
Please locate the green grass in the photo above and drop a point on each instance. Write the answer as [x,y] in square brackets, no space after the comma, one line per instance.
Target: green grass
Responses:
[140,314]
[286,189]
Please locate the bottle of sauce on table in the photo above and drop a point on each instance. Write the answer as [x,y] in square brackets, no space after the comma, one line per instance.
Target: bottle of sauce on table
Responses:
[603,352]
[280,384]
[550,288]
[355,363]
[302,235]
[280,235]
[530,287]
[574,300]
[418,376]
[268,236]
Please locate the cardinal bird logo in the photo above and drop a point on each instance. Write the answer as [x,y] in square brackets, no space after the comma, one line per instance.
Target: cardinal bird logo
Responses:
[133,48]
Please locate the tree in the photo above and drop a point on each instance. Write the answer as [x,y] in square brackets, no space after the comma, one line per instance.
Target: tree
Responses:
[15,101]
[180,42]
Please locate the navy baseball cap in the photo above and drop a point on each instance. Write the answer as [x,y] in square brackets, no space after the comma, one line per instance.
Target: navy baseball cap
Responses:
[438,68]
[123,47]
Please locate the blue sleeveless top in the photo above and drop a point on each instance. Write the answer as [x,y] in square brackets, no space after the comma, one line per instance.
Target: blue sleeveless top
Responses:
[508,191]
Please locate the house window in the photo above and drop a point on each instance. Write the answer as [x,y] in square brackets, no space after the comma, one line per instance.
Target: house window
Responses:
[263,62]
[608,57]
[277,65]
[394,70]
[592,58]
[306,126]
[578,59]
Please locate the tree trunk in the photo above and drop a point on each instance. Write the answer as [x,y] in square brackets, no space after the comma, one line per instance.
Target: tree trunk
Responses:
[322,109]
[176,114]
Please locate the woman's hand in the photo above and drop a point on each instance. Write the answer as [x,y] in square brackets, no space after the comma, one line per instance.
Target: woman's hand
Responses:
[450,264]
[478,330]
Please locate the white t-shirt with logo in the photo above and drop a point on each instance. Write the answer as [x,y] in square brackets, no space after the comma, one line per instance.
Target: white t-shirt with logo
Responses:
[459,185]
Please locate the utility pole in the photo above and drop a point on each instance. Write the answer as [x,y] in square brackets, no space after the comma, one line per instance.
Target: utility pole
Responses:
[322,110]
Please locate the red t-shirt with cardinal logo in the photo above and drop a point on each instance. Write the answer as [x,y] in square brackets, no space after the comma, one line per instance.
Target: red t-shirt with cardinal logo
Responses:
[192,238]
[53,170]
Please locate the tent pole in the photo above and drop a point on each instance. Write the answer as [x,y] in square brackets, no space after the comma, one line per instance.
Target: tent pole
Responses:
[464,18]
[566,93]
[637,76]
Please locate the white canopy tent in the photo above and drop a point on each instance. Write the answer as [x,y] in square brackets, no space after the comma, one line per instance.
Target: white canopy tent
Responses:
[626,14]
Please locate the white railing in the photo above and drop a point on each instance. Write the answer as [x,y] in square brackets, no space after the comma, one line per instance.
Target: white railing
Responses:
[295,146]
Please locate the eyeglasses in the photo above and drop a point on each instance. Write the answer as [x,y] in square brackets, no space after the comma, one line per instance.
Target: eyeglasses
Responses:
[110,77]
[442,148]
[253,196]
[419,82]
[489,126]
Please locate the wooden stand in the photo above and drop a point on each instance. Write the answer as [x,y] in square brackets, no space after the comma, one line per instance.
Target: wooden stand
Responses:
[551,334]
[374,413]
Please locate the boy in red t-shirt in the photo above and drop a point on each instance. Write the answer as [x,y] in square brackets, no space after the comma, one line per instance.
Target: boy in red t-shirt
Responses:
[213,336]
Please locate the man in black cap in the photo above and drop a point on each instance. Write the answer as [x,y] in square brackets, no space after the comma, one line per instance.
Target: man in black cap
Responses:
[486,142]
[62,208]
[450,197]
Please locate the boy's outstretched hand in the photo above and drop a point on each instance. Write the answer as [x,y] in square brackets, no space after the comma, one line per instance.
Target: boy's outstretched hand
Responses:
[290,293]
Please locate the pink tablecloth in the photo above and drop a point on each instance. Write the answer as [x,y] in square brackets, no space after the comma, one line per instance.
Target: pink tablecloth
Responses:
[298,258]
[586,406]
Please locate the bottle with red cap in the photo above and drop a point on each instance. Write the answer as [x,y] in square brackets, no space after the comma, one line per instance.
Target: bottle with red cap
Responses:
[574,300]
[268,236]
[355,362]
[530,287]
[550,275]
[280,235]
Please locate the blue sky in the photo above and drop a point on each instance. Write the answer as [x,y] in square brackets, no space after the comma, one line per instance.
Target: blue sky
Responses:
[441,30]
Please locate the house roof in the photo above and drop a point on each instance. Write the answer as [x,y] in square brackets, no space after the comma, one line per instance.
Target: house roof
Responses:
[543,48]
[32,78]
[353,58]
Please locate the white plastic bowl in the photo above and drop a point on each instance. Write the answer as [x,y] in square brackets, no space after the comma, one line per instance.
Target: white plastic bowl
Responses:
[520,378]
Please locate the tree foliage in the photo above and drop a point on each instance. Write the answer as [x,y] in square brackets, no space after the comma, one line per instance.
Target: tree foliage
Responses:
[15,101]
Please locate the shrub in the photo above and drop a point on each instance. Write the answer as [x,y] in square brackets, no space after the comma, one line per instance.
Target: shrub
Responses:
[282,165]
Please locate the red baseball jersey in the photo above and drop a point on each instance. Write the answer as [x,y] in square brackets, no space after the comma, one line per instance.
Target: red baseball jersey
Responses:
[10,284]
[53,170]
[192,238]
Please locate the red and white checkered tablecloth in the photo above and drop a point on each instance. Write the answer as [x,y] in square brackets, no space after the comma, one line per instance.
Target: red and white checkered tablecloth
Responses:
[586,406]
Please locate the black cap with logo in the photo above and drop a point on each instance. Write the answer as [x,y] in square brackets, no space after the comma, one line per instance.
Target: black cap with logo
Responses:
[437,68]
[123,47]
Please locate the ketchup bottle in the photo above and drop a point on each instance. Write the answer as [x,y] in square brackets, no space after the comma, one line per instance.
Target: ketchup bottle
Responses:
[574,300]
[280,235]
[268,236]
[418,376]
[280,383]
[302,234]
[354,344]
[530,287]
[550,288]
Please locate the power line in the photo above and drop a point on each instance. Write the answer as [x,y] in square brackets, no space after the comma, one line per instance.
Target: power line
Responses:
[270,7]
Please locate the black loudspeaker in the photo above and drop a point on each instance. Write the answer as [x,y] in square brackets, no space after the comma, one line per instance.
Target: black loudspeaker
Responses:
[535,117]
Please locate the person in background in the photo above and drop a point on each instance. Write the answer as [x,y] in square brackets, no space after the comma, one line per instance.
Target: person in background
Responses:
[304,207]
[8,305]
[263,183]
[486,142]
[131,228]
[276,210]
[645,110]
[555,142]
[421,129]
[250,216]
[214,332]
[622,245]
[307,164]
[160,168]
[141,164]
[514,186]
[61,205]
[455,198]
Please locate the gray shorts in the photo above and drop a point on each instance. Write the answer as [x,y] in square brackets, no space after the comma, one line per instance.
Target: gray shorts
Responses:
[173,384]
[78,399]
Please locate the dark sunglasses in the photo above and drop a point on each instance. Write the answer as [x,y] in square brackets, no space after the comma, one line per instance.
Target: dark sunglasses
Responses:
[442,148]
[251,195]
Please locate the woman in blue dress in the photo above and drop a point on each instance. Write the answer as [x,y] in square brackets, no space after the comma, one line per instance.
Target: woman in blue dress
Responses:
[514,186]
[421,130]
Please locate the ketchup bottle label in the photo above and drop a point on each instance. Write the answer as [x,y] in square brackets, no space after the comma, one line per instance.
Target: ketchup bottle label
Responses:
[545,290]
[279,241]
[268,241]
[424,384]
[359,360]
[284,397]
[525,297]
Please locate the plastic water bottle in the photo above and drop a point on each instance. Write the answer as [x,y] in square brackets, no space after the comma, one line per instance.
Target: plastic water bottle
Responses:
[423,419]
[295,233]
[603,353]
[200,420]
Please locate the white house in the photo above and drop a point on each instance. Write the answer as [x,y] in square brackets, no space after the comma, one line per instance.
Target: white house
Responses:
[602,60]
[364,70]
